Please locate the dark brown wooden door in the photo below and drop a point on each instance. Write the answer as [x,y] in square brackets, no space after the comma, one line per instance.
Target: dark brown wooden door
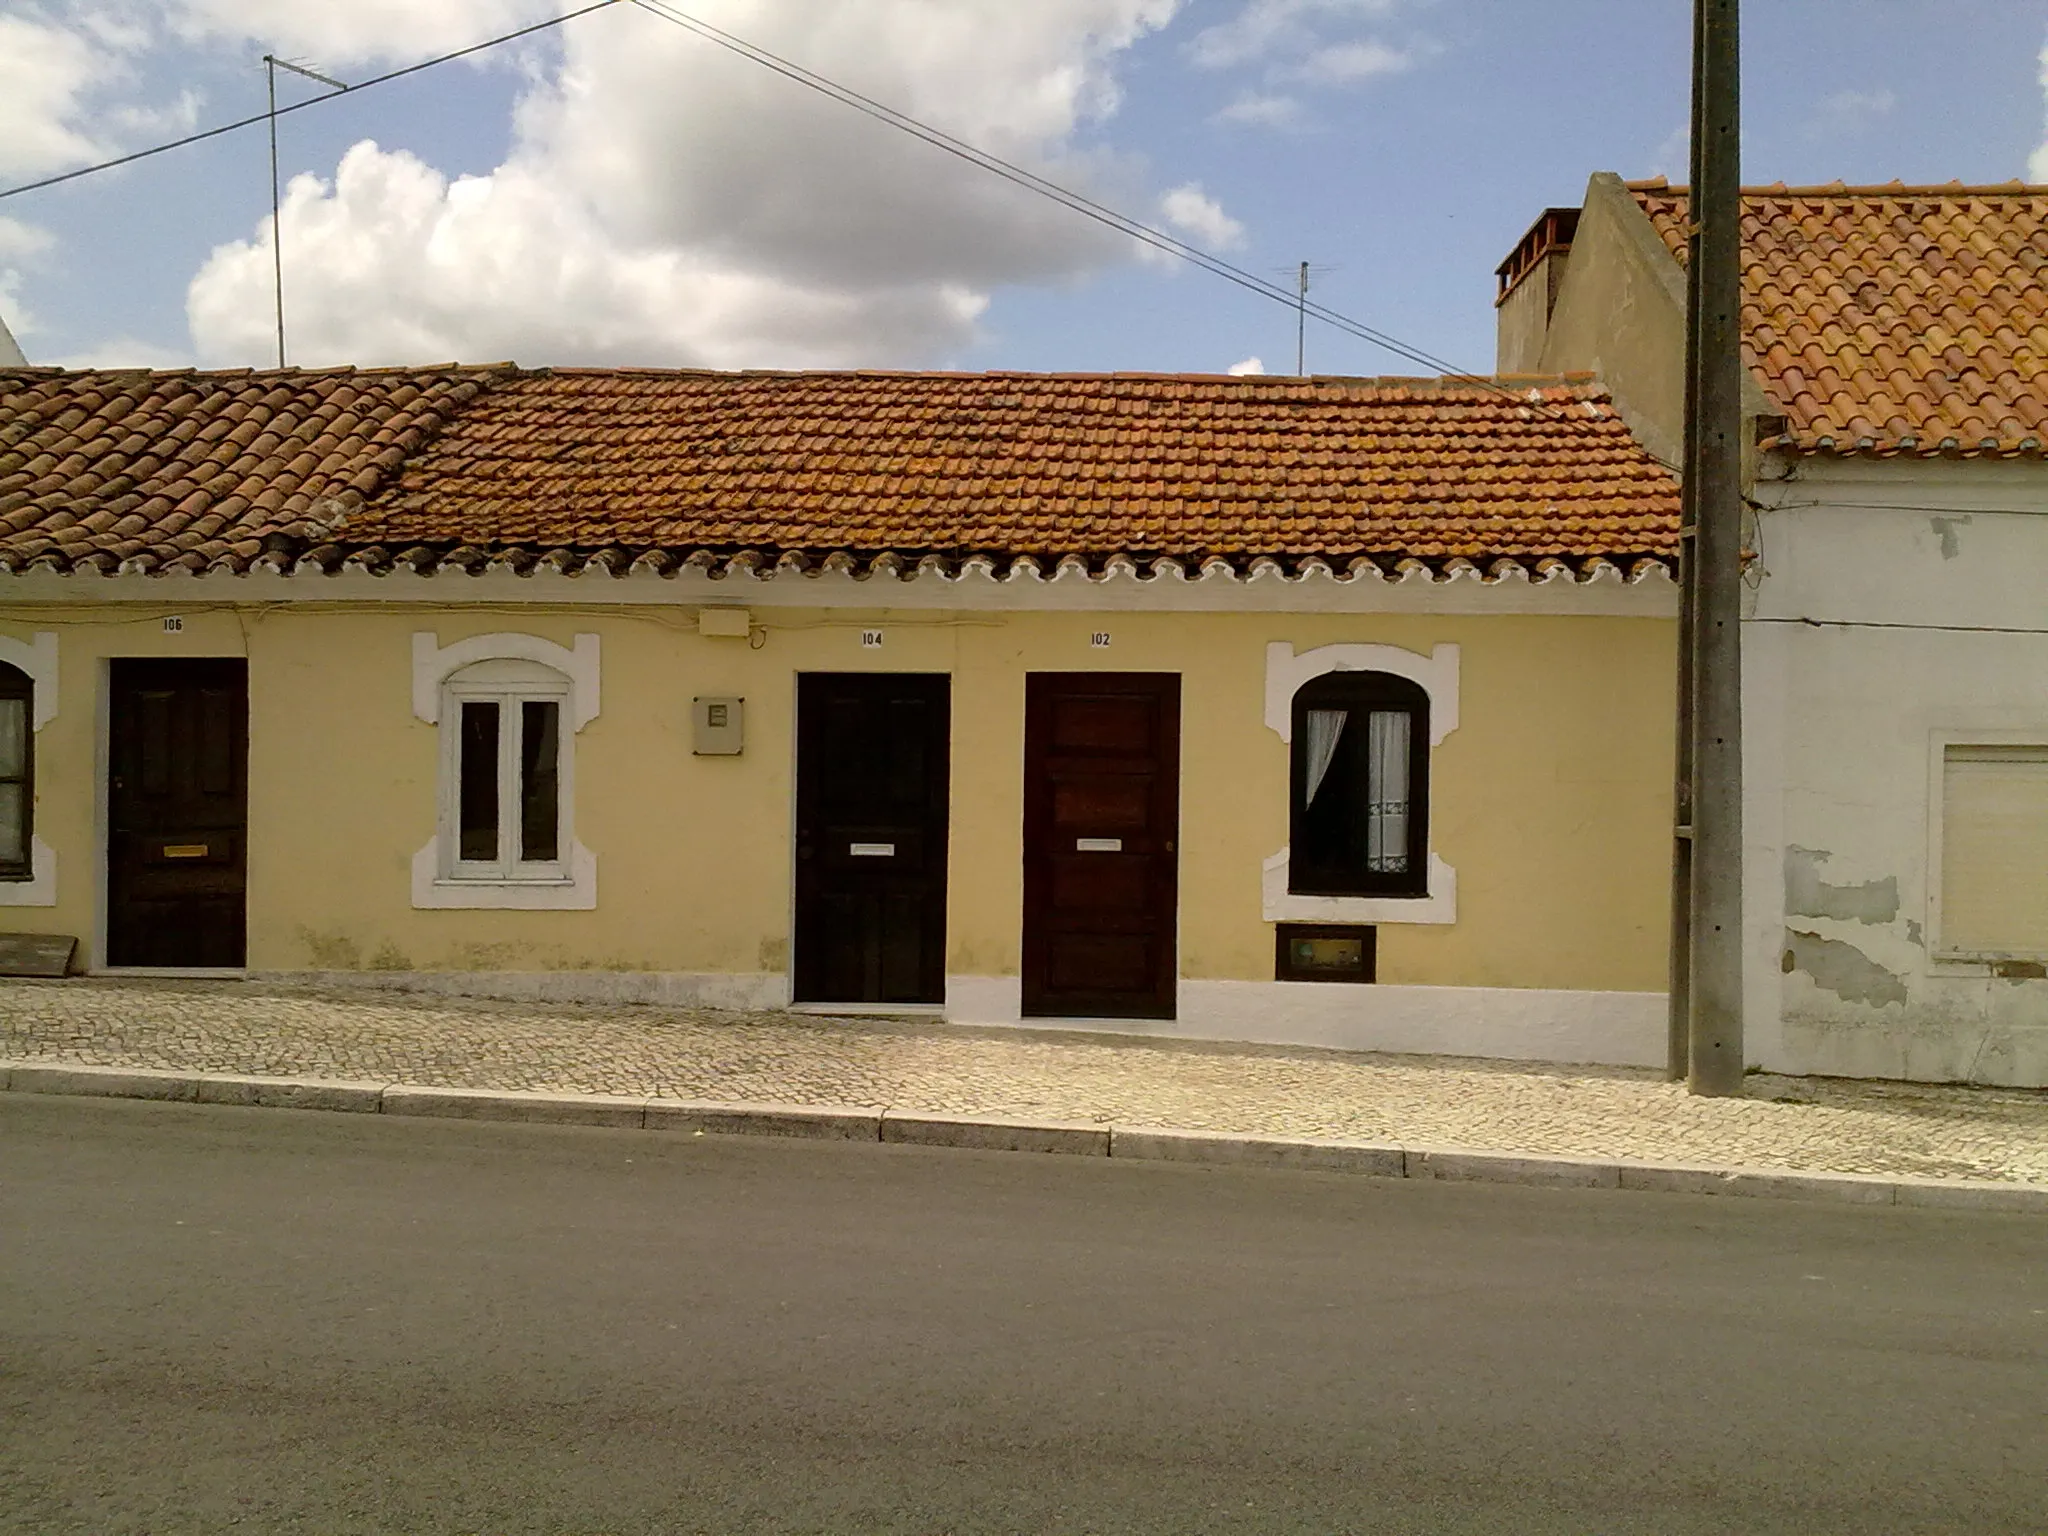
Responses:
[871,796]
[177,812]
[1101,815]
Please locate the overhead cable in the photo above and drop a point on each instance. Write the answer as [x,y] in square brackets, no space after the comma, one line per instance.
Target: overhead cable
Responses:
[300,106]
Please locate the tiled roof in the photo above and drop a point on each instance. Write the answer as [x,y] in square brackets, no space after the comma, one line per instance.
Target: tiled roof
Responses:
[1893,319]
[198,469]
[654,470]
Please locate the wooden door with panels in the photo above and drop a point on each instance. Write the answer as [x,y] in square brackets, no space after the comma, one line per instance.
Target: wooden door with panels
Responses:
[177,812]
[873,763]
[1101,824]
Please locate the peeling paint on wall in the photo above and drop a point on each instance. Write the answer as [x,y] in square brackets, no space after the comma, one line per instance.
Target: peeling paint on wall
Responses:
[1807,895]
[1842,968]
[1945,530]
[1915,934]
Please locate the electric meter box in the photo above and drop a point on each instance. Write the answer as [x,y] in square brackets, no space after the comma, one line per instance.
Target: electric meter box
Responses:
[718,732]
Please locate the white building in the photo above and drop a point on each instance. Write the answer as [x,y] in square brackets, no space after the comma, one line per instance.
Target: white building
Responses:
[1895,642]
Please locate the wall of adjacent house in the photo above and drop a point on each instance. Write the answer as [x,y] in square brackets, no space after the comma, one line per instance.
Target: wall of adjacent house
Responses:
[1550,799]
[1881,636]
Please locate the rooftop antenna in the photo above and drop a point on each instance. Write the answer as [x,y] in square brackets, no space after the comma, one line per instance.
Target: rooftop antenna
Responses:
[1301,278]
[272,63]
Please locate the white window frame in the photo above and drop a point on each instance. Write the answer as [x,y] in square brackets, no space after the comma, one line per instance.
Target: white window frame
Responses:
[38,659]
[511,669]
[507,684]
[1437,675]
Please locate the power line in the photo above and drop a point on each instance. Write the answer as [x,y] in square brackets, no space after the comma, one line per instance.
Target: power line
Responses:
[1088,208]
[1123,223]
[903,122]
[262,117]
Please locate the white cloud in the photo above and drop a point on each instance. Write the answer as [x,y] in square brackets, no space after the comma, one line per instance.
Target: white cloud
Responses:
[1672,159]
[1249,365]
[1343,63]
[123,352]
[666,202]
[46,72]
[344,32]
[21,246]
[1265,27]
[1194,213]
[2037,163]
[1261,110]
[1852,111]
[1286,44]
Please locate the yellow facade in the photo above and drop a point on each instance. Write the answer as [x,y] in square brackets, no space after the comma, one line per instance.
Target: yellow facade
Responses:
[1550,798]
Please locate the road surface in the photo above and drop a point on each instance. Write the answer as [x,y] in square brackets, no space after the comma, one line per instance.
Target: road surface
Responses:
[233,1319]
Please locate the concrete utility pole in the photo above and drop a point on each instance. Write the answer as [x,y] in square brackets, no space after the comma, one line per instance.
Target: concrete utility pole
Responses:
[1707,937]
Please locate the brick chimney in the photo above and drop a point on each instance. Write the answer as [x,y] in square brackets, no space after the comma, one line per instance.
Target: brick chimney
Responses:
[1529,282]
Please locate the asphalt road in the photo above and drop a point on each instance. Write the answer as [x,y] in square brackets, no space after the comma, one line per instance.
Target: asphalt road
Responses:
[217,1318]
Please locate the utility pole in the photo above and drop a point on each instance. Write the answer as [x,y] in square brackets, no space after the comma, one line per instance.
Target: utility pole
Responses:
[1706,969]
[272,64]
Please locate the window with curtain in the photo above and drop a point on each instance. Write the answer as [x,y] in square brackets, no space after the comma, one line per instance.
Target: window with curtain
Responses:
[1359,819]
[17,773]
[504,809]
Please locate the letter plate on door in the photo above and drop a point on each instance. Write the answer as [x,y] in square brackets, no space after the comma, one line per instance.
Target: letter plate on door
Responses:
[872,850]
[1098,845]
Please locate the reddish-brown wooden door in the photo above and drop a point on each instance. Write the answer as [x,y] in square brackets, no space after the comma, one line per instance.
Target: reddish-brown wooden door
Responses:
[1101,816]
[177,812]
[871,775]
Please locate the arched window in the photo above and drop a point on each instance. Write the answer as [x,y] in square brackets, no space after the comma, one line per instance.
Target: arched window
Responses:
[1360,800]
[17,774]
[505,772]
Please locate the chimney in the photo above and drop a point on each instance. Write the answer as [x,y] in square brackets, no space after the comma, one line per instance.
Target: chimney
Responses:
[1530,280]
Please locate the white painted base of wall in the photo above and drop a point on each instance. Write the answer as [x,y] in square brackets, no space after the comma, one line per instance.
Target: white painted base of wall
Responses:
[1623,1029]
[675,989]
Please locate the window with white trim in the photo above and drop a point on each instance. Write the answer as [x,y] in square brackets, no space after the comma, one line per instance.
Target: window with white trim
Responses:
[1360,787]
[505,779]
[17,774]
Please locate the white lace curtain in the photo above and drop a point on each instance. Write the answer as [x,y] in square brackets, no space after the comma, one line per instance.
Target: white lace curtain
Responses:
[1386,824]
[1325,730]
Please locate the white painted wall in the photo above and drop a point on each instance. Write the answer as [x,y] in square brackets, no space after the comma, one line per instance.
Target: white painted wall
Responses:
[1903,605]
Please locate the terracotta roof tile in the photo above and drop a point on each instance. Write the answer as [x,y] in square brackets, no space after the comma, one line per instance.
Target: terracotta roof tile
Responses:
[560,468]
[1893,319]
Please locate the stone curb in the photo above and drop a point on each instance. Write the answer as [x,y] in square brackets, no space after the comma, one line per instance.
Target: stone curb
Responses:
[998,1133]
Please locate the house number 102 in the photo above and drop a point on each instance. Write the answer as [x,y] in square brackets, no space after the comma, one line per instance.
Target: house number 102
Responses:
[1100,639]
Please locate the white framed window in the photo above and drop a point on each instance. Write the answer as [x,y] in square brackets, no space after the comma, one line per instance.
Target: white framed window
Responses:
[28,702]
[506,806]
[1361,722]
[508,709]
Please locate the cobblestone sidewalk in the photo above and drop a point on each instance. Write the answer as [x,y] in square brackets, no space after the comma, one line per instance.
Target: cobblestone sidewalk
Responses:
[1803,1124]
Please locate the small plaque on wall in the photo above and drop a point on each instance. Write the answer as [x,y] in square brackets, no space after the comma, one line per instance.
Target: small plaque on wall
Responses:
[1325,952]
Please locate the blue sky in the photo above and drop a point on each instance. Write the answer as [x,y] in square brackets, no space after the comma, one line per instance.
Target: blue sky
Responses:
[638,196]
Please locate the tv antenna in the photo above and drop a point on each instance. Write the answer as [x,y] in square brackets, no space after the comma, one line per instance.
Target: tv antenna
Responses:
[1301,275]
[272,63]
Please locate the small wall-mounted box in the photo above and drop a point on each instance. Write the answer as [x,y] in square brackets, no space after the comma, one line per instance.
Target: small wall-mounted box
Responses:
[718,731]
[724,623]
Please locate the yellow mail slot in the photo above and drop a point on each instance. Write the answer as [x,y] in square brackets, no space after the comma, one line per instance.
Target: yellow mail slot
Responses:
[186,850]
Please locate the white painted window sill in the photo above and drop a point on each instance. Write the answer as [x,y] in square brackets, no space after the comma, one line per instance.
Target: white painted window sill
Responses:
[1283,906]
[40,889]
[434,891]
